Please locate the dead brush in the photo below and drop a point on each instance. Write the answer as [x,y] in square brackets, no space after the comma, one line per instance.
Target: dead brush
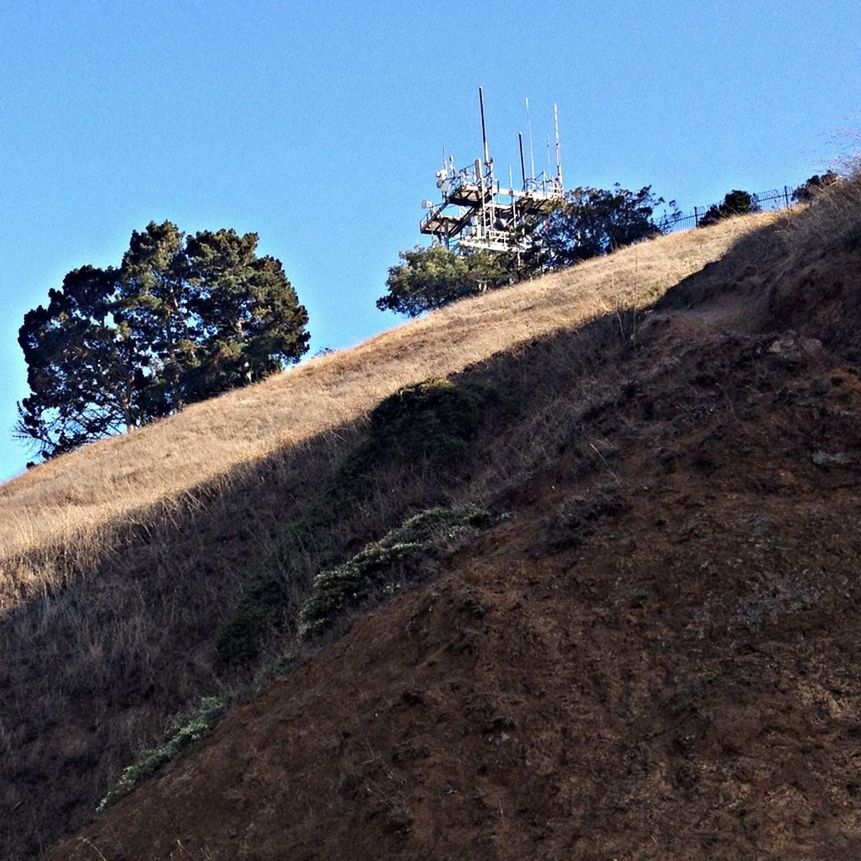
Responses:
[578,518]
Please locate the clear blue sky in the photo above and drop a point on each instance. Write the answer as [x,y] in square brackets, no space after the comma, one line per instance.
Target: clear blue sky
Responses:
[320,125]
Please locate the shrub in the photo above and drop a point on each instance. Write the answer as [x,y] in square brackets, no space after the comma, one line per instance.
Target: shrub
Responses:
[382,567]
[814,185]
[427,424]
[736,202]
[263,605]
[195,726]
[239,637]
[433,420]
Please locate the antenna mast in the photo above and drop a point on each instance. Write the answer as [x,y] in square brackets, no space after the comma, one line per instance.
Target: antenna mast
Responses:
[522,164]
[483,128]
[475,212]
[531,148]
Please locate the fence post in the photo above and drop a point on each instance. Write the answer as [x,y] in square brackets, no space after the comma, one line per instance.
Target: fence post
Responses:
[786,195]
[696,217]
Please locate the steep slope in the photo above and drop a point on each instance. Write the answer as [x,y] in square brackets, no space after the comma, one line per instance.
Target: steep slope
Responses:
[655,656]
[620,444]
[126,565]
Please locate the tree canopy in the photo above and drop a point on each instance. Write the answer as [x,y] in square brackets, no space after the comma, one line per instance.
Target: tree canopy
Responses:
[595,221]
[183,318]
[428,278]
[735,202]
[590,221]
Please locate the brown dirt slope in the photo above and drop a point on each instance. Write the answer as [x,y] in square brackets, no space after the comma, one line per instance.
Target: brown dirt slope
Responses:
[655,656]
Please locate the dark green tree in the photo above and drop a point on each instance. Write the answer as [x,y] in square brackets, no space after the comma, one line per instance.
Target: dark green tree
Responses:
[84,376]
[182,319]
[594,221]
[428,278]
[736,202]
[816,184]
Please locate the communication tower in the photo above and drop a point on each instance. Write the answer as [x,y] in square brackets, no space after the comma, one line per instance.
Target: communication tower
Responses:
[476,211]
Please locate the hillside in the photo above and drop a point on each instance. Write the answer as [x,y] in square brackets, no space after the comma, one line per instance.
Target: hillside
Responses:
[651,646]
[120,477]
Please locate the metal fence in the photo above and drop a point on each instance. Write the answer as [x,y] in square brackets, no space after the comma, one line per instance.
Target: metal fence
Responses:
[766,201]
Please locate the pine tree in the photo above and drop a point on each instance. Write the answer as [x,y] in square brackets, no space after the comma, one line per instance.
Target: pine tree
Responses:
[428,278]
[182,319]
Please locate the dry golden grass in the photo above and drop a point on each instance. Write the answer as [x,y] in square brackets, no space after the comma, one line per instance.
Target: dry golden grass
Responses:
[71,499]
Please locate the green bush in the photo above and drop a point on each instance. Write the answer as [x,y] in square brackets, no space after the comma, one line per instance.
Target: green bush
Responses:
[263,605]
[434,419]
[195,726]
[430,422]
[240,636]
[381,568]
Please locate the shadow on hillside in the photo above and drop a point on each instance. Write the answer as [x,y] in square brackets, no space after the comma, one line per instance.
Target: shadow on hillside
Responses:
[798,273]
[94,669]
[742,276]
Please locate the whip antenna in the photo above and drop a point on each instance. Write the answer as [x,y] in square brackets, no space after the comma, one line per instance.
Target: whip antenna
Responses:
[483,127]
[522,164]
[531,148]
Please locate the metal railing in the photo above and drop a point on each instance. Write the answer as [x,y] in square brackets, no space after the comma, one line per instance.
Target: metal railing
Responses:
[765,201]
